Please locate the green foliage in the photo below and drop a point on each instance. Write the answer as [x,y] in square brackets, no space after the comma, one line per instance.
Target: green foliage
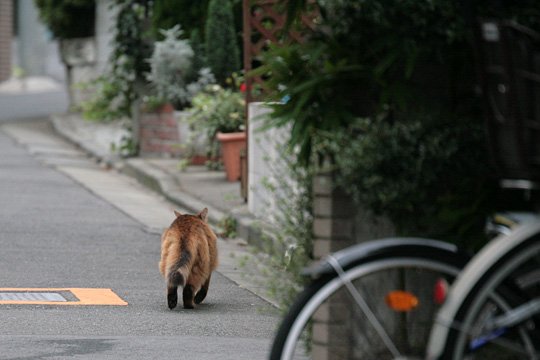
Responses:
[168,13]
[318,92]
[387,89]
[132,43]
[99,107]
[222,53]
[117,90]
[199,56]
[427,175]
[68,19]
[228,227]
[172,72]
[217,110]
[404,56]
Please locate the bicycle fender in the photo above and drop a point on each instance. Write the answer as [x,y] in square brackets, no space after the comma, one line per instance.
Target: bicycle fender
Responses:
[396,246]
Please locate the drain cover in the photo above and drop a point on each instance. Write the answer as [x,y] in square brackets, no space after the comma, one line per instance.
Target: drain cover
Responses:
[31,296]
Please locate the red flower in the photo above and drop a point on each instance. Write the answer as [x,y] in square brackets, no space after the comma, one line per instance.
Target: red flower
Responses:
[243,87]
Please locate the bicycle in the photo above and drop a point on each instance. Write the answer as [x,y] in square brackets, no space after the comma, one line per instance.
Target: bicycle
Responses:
[488,295]
[472,323]
[384,278]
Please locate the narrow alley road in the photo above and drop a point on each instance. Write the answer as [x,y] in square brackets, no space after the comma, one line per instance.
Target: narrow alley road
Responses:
[67,223]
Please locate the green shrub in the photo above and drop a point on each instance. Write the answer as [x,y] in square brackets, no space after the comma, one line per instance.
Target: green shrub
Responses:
[118,89]
[430,177]
[172,74]
[222,53]
[68,19]
[168,13]
[388,89]
[216,110]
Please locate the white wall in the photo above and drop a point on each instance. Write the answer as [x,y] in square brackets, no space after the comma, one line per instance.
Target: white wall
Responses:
[37,52]
[266,164]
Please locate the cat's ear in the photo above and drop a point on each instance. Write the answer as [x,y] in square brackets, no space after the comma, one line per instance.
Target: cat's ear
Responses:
[203,214]
[177,213]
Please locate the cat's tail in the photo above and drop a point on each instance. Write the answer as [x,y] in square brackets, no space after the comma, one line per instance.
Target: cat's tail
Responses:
[179,272]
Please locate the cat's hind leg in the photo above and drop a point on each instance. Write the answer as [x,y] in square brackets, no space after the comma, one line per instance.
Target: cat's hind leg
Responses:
[172,297]
[201,294]
[187,296]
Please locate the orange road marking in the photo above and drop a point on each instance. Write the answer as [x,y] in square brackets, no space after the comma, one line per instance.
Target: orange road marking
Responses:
[84,296]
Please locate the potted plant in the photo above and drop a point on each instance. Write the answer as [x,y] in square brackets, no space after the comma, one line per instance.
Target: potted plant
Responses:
[173,83]
[219,113]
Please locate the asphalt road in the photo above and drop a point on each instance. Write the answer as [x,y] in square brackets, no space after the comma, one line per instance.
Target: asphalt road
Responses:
[65,222]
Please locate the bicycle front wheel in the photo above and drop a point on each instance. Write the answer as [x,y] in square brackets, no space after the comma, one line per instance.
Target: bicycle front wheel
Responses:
[378,308]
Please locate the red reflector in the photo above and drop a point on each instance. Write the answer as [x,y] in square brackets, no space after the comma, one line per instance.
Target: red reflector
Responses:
[440,291]
[401,300]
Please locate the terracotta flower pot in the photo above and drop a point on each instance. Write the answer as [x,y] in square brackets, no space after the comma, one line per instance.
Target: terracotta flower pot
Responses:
[231,146]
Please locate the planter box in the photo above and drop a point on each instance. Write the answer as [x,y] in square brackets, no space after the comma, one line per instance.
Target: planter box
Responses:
[158,132]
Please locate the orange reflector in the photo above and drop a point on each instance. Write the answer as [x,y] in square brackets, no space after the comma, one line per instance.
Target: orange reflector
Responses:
[401,300]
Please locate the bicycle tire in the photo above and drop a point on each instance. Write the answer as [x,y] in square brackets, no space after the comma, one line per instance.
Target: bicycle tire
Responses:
[467,336]
[432,262]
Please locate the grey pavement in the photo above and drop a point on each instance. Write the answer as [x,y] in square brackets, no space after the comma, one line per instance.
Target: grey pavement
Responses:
[193,188]
[31,97]
[69,221]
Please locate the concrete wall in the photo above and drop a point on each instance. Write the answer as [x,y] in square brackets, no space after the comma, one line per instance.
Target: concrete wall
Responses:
[267,167]
[6,30]
[31,39]
[105,20]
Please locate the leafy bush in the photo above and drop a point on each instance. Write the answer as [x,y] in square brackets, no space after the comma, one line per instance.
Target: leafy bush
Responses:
[117,90]
[171,70]
[168,13]
[392,84]
[222,53]
[216,110]
[68,19]
[429,177]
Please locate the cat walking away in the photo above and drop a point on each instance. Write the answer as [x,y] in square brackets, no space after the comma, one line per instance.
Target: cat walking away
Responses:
[188,257]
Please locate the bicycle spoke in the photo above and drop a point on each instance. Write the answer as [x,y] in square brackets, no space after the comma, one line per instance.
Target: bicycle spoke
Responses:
[365,308]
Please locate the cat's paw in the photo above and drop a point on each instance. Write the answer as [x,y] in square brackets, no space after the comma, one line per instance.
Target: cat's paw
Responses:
[189,306]
[172,300]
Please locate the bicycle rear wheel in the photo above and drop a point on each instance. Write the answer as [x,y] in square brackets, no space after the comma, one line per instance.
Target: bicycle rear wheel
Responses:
[482,326]
[392,319]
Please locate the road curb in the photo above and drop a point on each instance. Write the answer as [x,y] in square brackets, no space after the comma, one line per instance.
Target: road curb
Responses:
[247,227]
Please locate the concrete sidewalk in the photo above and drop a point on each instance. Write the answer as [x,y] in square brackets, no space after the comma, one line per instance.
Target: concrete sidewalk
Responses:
[193,188]
[31,97]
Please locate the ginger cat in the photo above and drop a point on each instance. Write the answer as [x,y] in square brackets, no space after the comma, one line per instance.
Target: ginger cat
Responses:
[188,257]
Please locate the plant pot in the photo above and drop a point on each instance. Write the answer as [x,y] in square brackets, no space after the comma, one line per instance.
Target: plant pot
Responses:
[231,146]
